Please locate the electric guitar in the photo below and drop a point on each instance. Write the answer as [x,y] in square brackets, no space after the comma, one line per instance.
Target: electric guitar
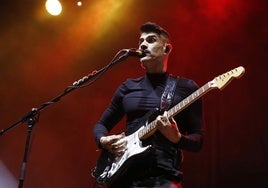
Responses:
[110,167]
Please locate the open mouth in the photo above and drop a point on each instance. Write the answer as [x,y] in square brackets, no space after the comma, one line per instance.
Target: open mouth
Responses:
[146,52]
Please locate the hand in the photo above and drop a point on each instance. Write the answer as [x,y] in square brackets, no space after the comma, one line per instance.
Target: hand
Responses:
[168,127]
[115,144]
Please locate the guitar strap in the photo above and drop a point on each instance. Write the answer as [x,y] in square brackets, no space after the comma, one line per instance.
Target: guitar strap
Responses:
[168,93]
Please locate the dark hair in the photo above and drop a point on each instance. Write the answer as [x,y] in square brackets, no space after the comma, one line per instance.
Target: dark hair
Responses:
[152,27]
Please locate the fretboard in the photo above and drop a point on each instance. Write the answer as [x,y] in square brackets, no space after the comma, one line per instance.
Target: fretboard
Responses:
[150,128]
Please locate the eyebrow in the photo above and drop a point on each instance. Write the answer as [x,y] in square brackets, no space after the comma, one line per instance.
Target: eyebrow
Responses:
[151,35]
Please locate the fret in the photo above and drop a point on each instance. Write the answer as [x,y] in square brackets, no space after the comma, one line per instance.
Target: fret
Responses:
[140,134]
[153,125]
[148,128]
[143,132]
[205,86]
[193,95]
[197,92]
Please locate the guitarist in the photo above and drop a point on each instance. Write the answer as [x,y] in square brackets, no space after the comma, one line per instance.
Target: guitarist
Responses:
[135,98]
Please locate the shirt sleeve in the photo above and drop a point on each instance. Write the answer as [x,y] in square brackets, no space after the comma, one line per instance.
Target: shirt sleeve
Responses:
[110,117]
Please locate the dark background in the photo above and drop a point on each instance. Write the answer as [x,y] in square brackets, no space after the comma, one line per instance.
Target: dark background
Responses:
[40,55]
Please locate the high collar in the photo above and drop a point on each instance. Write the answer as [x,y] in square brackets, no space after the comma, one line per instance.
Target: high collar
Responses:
[157,77]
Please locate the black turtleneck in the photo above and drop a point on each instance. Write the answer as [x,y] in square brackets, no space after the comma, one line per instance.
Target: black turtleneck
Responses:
[136,97]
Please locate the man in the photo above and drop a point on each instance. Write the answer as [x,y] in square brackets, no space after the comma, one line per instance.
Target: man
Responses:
[135,98]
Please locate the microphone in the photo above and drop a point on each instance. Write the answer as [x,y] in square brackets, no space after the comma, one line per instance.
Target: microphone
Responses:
[136,53]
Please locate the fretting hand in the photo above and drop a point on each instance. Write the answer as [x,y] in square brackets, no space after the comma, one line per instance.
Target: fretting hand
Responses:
[168,127]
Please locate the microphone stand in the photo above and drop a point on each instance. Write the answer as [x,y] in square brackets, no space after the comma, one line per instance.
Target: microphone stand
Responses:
[32,116]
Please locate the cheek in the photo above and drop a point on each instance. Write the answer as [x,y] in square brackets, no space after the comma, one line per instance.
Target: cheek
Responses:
[156,49]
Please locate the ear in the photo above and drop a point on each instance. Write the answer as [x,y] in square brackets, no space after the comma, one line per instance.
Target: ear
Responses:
[167,48]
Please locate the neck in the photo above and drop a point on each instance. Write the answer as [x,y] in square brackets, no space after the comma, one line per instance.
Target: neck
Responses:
[155,71]
[155,67]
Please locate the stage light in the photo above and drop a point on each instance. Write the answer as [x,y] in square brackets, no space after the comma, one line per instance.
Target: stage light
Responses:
[79,3]
[53,7]
[6,177]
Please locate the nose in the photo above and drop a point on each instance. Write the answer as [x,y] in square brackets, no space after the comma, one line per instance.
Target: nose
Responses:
[143,47]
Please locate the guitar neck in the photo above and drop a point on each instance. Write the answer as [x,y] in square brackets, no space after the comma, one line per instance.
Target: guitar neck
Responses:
[190,99]
[149,129]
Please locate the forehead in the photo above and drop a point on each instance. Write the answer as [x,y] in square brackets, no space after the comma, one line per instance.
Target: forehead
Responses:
[149,34]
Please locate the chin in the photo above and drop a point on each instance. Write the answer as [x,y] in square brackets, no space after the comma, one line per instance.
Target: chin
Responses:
[144,59]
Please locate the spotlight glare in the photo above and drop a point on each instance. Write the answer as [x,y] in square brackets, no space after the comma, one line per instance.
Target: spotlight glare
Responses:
[53,7]
[79,3]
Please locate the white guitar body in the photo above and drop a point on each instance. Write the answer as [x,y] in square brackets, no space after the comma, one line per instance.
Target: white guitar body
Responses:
[134,148]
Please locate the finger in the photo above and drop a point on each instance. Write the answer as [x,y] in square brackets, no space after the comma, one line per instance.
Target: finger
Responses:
[119,148]
[165,114]
[119,136]
[122,134]
[161,121]
[165,121]
[172,121]
[113,138]
[120,142]
[119,151]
